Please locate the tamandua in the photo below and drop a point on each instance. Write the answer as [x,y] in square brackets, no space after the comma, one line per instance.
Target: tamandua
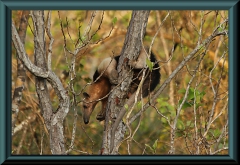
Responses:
[109,76]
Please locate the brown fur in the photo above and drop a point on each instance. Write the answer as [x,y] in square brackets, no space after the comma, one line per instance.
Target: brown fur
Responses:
[109,75]
[96,91]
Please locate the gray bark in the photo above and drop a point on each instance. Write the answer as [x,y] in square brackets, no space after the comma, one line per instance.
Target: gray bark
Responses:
[53,121]
[131,49]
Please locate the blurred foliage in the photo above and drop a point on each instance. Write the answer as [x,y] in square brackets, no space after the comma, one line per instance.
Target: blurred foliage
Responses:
[153,135]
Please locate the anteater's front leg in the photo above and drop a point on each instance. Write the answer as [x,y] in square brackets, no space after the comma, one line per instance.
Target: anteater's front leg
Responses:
[101,115]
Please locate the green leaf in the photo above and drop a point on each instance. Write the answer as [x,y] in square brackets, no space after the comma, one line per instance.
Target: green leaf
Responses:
[149,147]
[220,29]
[220,145]
[216,132]
[191,125]
[191,94]
[188,123]
[162,110]
[182,91]
[114,20]
[163,120]
[159,100]
[180,125]
[198,99]
[96,37]
[169,114]
[186,104]
[202,94]
[170,107]
[139,105]
[83,38]
[126,106]
[164,104]
[155,144]
[149,64]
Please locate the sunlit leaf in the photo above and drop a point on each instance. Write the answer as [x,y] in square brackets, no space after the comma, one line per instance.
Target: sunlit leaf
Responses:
[190,94]
[114,20]
[182,91]
[139,105]
[163,120]
[149,64]
[188,123]
[126,106]
[149,147]
[155,144]
[216,132]
[180,125]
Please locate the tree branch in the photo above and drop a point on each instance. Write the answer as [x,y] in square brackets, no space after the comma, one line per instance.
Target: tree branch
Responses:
[207,41]
[131,49]
[53,121]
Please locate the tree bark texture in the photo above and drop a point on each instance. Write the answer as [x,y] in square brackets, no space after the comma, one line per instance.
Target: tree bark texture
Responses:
[53,121]
[131,50]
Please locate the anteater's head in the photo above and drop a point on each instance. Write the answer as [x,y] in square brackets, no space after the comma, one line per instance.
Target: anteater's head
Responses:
[88,107]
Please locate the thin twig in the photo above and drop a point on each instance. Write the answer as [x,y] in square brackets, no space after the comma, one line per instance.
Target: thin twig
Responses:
[51,40]
[215,93]
[172,150]
[206,42]
[21,141]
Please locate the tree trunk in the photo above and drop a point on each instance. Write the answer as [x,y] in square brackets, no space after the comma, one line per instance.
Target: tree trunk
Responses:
[54,126]
[131,49]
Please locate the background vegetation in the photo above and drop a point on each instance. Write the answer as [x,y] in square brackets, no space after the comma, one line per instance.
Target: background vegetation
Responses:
[202,124]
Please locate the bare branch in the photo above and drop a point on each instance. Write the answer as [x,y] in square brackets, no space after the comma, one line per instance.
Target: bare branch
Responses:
[51,40]
[172,150]
[136,98]
[53,121]
[169,64]
[222,149]
[24,124]
[130,51]
[37,71]
[88,28]
[207,41]
[215,93]
[195,117]
[160,25]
